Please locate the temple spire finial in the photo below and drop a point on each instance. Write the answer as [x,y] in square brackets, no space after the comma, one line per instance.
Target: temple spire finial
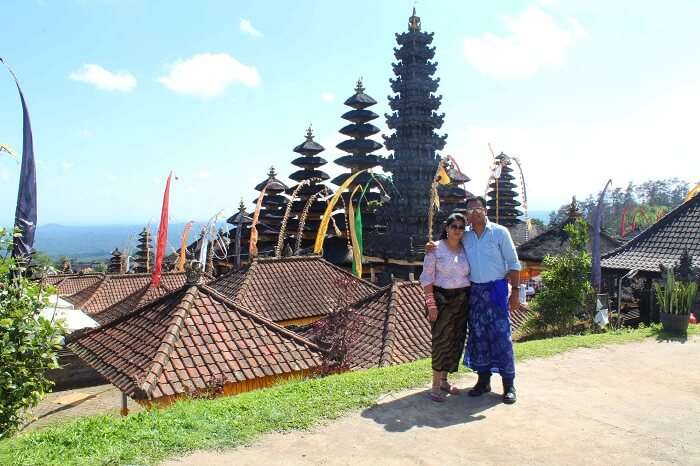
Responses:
[359,87]
[310,133]
[414,22]
[272,173]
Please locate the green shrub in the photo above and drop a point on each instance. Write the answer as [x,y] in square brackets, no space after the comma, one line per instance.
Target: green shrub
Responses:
[565,284]
[28,342]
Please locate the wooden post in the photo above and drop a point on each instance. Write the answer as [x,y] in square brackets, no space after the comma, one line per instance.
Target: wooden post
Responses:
[125,409]
[372,277]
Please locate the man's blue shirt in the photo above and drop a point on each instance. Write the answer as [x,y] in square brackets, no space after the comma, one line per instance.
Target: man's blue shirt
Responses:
[492,256]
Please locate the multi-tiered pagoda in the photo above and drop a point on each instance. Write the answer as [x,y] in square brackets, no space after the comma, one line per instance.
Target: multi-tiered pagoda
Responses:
[502,200]
[309,164]
[116,262]
[271,215]
[143,258]
[359,148]
[239,236]
[414,160]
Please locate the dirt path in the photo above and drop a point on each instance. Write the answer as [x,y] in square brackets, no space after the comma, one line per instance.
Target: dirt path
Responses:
[632,404]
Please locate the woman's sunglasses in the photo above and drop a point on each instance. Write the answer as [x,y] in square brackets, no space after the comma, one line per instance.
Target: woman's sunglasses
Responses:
[456,226]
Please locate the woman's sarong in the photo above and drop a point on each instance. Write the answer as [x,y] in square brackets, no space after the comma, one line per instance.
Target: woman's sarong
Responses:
[450,329]
[490,347]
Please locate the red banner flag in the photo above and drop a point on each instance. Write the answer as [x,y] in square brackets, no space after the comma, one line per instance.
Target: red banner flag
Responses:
[162,235]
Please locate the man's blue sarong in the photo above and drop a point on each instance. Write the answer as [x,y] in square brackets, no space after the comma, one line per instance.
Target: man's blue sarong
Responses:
[489,347]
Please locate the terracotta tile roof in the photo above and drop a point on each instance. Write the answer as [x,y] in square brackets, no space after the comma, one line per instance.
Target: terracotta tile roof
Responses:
[117,294]
[70,284]
[290,288]
[395,329]
[184,339]
[663,242]
[553,242]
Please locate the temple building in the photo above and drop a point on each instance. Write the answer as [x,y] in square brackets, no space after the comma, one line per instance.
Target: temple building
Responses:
[359,150]
[664,243]
[274,203]
[413,163]
[553,241]
[292,290]
[117,263]
[143,257]
[192,340]
[239,236]
[309,173]
[502,200]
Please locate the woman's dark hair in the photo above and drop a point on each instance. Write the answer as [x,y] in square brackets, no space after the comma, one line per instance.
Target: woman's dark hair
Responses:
[479,199]
[454,217]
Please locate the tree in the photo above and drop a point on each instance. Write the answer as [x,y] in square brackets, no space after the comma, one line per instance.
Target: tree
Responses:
[101,267]
[565,284]
[338,333]
[29,341]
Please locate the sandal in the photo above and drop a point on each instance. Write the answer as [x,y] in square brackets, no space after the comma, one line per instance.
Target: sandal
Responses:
[437,397]
[446,387]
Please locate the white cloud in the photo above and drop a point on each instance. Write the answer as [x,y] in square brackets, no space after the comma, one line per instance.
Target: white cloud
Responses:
[208,75]
[327,96]
[655,141]
[536,40]
[103,79]
[247,27]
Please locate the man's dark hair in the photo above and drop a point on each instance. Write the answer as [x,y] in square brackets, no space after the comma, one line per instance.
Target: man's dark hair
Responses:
[479,199]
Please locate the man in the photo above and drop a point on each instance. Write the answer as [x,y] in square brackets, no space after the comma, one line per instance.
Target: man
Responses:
[493,262]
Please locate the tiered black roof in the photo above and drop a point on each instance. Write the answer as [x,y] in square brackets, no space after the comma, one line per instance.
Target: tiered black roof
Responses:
[241,220]
[309,162]
[414,143]
[359,130]
[144,252]
[506,212]
[359,148]
[116,262]
[274,204]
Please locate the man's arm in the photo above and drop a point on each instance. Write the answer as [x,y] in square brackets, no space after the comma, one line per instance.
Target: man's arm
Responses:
[510,257]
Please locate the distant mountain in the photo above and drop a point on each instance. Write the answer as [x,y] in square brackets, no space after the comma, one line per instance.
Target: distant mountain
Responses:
[96,242]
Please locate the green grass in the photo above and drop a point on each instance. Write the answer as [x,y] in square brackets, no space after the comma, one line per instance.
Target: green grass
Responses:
[148,437]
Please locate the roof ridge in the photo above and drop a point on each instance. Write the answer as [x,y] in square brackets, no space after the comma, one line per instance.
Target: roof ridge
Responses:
[255,316]
[386,354]
[372,296]
[244,282]
[167,344]
[661,223]
[79,334]
[348,273]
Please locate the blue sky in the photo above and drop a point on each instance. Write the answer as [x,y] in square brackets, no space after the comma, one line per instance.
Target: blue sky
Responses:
[121,92]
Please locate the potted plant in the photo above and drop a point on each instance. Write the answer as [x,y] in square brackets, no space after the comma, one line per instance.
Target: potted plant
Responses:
[676,300]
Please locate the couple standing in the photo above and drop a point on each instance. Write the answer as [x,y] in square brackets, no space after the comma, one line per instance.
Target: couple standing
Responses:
[465,278]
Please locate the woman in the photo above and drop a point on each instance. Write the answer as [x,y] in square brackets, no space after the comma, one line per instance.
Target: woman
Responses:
[445,281]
